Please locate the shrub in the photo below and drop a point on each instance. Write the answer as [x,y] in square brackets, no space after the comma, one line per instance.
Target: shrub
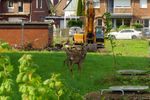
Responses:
[29,81]
[4,46]
[5,75]
[32,87]
[123,27]
[137,25]
[75,23]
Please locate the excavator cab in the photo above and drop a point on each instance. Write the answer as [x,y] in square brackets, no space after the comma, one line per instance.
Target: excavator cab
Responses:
[99,36]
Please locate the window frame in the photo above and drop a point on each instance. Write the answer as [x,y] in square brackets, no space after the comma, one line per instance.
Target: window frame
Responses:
[122,6]
[146,23]
[96,3]
[9,3]
[41,4]
[22,4]
[143,6]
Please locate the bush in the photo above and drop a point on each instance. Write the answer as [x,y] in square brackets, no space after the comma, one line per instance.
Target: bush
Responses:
[4,45]
[137,25]
[75,23]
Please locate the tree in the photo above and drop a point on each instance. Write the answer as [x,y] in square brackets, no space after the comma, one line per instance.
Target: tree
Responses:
[80,8]
[51,7]
[75,23]
[108,26]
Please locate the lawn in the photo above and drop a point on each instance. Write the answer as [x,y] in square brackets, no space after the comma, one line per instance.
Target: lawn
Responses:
[97,69]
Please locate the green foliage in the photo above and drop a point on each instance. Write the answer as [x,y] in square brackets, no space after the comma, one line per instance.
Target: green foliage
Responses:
[31,86]
[80,8]
[74,23]
[123,27]
[56,88]
[137,25]
[113,45]
[52,9]
[5,75]
[4,46]
[29,81]
[108,23]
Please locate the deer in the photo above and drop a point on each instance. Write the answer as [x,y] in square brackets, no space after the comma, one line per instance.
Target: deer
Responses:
[75,55]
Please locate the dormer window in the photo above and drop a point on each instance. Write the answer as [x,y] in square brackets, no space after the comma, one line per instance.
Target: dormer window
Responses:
[39,4]
[20,6]
[10,3]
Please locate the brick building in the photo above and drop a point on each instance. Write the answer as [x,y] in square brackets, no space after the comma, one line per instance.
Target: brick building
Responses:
[39,9]
[22,22]
[124,12]
[15,10]
[28,10]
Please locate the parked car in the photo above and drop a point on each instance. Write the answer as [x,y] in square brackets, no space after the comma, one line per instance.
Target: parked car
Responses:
[126,34]
[146,32]
[74,30]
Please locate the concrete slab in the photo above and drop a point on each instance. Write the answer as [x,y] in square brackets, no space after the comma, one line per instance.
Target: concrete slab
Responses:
[130,88]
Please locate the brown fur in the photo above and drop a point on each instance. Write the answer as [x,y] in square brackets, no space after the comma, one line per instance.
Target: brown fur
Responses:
[75,55]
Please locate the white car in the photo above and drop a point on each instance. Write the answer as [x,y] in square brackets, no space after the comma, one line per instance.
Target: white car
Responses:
[126,34]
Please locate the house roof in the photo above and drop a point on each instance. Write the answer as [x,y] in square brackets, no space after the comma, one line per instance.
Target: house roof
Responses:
[72,5]
[60,7]
[54,2]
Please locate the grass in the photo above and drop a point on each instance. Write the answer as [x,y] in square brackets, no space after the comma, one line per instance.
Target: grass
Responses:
[131,54]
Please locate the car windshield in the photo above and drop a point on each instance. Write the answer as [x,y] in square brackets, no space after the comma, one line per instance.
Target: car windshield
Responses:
[76,29]
[125,31]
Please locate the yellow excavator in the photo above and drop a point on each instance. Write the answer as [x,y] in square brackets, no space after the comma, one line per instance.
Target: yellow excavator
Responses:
[92,36]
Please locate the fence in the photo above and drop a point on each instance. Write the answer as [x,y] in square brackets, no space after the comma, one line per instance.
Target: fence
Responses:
[60,35]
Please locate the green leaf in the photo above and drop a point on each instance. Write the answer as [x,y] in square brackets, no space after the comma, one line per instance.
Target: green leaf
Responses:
[19,77]
[9,68]
[25,78]
[60,92]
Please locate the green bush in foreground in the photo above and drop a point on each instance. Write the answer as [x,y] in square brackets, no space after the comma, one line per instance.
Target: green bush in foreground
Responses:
[5,75]
[32,87]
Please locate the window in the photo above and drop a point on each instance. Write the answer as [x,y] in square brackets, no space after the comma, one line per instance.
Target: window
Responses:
[99,22]
[39,4]
[143,3]
[146,22]
[122,3]
[20,6]
[10,3]
[126,31]
[96,3]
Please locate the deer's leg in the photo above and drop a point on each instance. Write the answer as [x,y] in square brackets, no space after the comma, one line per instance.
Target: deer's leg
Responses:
[79,67]
[65,62]
[71,67]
